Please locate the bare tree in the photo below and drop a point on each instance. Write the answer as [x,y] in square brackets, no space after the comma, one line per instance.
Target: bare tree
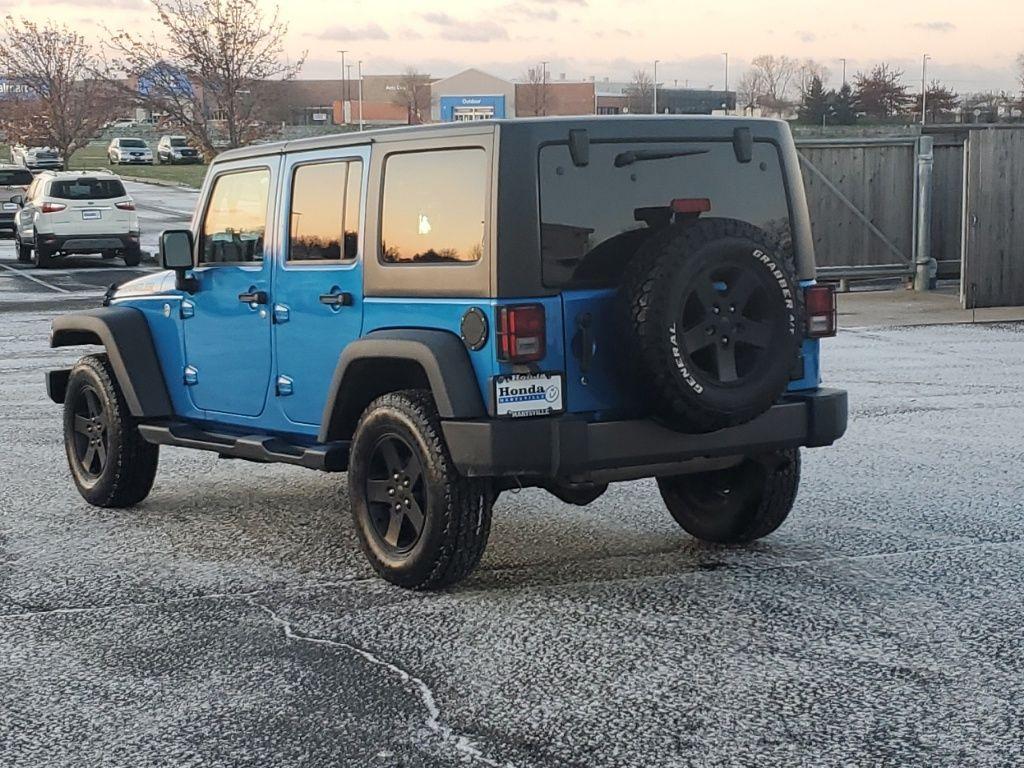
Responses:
[58,103]
[810,69]
[413,95]
[212,69]
[750,90]
[535,92]
[640,93]
[1020,73]
[775,74]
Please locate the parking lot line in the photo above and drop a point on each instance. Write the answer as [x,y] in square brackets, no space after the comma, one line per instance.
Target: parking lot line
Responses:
[35,279]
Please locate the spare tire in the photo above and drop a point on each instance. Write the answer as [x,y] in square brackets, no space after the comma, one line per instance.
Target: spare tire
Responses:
[715,322]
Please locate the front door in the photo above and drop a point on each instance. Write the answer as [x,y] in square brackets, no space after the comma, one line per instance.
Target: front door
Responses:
[227,320]
[318,302]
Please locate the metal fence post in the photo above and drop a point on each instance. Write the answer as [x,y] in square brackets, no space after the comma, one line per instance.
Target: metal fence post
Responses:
[923,246]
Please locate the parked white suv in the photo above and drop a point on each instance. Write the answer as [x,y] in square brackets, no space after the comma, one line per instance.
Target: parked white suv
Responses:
[77,212]
[130,151]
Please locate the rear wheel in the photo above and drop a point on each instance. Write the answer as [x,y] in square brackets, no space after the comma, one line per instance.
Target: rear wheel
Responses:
[420,523]
[735,505]
[111,464]
[42,257]
[132,257]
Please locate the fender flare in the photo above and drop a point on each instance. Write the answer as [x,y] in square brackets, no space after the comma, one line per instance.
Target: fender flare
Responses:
[125,334]
[442,357]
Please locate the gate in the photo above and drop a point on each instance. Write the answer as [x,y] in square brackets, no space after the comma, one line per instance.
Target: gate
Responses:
[993,215]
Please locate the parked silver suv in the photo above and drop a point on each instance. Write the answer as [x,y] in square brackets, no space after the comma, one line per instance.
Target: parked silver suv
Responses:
[129,151]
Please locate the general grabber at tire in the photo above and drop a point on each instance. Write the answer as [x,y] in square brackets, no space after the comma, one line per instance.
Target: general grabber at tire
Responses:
[420,523]
[735,505]
[111,464]
[716,321]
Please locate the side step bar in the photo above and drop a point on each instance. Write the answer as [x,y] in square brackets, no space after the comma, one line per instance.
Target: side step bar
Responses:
[330,457]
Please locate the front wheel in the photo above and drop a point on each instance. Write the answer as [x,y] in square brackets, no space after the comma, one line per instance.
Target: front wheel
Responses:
[420,523]
[111,464]
[736,505]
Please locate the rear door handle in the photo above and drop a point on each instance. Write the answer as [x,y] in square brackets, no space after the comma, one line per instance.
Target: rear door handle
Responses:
[255,297]
[342,299]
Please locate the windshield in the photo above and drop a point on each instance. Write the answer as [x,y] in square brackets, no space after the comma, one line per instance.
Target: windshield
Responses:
[133,143]
[178,141]
[596,216]
[15,178]
[87,189]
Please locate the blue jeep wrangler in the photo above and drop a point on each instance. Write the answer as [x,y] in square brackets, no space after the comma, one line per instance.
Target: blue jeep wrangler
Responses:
[446,312]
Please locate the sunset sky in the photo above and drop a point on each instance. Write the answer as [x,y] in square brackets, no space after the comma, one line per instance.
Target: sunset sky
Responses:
[973,45]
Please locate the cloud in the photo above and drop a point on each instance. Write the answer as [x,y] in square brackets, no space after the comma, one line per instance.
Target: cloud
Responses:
[936,26]
[527,11]
[366,32]
[807,37]
[450,28]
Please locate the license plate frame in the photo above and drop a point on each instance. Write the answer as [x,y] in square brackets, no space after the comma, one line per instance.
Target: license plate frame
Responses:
[10,207]
[91,215]
[528,394]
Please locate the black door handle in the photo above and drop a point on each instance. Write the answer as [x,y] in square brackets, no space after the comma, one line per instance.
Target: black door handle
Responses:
[336,299]
[256,297]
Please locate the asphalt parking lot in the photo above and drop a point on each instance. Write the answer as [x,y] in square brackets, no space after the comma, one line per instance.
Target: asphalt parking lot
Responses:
[230,620]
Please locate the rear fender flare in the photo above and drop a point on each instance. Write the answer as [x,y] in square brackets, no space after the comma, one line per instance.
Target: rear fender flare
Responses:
[444,362]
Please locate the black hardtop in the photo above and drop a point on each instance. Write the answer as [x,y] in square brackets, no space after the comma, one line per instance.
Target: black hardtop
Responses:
[605,127]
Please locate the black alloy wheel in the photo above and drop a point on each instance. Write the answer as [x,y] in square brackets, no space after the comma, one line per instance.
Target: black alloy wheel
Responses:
[91,440]
[395,494]
[727,324]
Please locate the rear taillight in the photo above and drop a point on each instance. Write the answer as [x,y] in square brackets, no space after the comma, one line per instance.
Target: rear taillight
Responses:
[820,308]
[126,206]
[52,207]
[521,331]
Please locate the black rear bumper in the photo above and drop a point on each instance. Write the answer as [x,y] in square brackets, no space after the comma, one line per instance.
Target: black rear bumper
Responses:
[572,449]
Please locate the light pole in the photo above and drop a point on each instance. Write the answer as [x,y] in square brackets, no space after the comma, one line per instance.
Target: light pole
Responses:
[656,86]
[726,54]
[344,85]
[544,88]
[844,70]
[359,72]
[924,88]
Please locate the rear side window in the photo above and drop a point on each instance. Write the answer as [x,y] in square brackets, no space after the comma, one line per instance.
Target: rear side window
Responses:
[324,218]
[434,206]
[593,218]
[15,178]
[236,218]
[87,189]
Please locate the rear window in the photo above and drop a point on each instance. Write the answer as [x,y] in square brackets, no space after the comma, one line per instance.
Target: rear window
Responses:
[133,143]
[15,178]
[594,217]
[87,189]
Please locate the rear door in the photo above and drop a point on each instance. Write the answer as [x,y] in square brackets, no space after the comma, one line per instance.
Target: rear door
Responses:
[318,302]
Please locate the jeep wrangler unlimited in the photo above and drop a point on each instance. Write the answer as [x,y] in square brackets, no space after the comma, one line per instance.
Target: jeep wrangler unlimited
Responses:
[445,312]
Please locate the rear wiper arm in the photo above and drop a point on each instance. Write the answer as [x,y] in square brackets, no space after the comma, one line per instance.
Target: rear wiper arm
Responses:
[637,155]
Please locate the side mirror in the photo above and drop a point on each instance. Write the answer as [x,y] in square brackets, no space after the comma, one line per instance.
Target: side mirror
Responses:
[18,200]
[176,246]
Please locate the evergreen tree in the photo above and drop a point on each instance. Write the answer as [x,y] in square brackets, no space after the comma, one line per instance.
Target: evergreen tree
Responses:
[843,112]
[814,103]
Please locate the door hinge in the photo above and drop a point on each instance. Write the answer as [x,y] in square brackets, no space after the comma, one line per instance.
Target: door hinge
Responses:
[188,309]
[281,313]
[284,386]
[191,375]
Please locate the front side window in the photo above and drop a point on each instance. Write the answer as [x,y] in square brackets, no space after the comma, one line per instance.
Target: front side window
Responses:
[324,217]
[434,206]
[236,218]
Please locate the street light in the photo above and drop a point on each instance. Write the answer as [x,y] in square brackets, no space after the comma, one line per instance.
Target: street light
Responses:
[344,85]
[924,88]
[726,54]
[844,70]
[656,86]
[544,87]
[359,72]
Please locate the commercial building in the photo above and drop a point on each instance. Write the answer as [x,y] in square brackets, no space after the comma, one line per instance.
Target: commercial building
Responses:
[560,97]
[472,95]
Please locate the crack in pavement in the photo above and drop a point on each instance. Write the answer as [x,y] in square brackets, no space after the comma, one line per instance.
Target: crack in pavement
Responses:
[460,743]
